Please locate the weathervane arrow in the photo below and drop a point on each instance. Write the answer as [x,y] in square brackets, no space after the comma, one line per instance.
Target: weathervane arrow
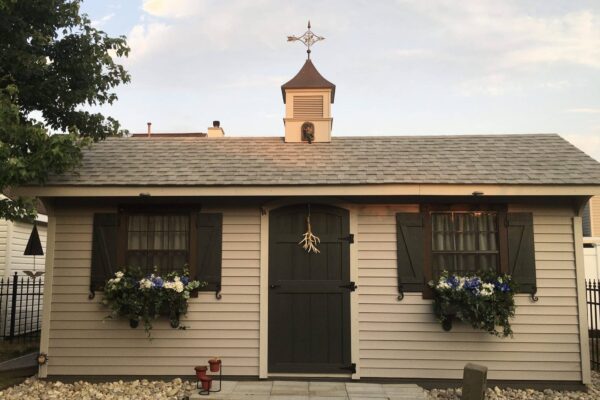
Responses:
[308,38]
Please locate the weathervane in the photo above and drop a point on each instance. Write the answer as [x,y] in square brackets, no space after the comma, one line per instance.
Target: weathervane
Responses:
[308,38]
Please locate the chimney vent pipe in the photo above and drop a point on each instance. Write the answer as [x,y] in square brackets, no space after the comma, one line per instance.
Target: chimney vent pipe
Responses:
[149,129]
[216,124]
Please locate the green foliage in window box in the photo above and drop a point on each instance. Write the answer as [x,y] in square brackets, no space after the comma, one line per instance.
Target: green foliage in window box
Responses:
[486,301]
[144,298]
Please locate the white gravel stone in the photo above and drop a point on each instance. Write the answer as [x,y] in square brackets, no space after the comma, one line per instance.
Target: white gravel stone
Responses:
[496,393]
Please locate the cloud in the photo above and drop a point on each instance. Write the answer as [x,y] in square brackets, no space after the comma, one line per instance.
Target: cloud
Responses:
[256,81]
[590,110]
[491,85]
[512,37]
[144,39]
[98,23]
[173,8]
[412,53]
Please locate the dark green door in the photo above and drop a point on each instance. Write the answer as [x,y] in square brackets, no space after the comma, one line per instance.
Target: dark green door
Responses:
[309,307]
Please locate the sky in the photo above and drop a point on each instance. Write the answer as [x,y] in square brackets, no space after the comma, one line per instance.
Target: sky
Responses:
[404,67]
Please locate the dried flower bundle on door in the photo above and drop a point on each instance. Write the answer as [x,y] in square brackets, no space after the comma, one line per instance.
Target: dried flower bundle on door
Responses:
[309,241]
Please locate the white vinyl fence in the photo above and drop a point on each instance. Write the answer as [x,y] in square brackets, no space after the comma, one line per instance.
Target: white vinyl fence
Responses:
[591,255]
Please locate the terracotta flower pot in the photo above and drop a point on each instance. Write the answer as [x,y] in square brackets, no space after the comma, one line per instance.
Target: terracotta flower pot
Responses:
[200,371]
[215,364]
[206,383]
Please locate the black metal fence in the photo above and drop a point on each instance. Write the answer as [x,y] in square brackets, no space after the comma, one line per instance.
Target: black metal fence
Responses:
[592,289]
[21,301]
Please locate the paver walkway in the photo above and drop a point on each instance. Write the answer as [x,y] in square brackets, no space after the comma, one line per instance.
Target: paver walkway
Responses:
[296,390]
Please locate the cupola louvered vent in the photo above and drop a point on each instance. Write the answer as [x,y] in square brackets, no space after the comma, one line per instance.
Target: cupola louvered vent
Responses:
[308,107]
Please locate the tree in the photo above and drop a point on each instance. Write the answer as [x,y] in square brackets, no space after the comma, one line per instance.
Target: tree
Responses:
[52,63]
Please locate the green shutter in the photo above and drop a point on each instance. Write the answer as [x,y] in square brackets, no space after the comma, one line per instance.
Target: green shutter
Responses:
[104,250]
[209,246]
[521,251]
[411,251]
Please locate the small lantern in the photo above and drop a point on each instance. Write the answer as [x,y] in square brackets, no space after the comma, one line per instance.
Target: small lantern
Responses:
[34,248]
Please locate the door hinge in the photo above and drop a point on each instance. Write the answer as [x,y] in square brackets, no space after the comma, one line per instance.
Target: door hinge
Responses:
[351,286]
[349,238]
[351,368]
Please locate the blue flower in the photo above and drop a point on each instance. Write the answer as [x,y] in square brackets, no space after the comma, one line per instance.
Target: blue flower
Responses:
[185,280]
[473,284]
[453,281]
[158,282]
[502,287]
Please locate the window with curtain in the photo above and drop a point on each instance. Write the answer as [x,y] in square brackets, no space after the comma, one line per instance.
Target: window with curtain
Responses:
[158,241]
[464,242]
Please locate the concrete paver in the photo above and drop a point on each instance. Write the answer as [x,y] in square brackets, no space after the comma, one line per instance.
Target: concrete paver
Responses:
[302,390]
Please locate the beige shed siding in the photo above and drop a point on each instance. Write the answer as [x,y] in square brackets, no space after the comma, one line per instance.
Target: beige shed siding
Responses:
[81,342]
[19,236]
[401,339]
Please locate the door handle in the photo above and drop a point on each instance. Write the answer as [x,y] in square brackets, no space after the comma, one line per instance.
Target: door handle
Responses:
[350,286]
[274,286]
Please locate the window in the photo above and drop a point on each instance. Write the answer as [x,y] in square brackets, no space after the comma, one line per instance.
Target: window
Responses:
[158,241]
[165,237]
[464,239]
[464,242]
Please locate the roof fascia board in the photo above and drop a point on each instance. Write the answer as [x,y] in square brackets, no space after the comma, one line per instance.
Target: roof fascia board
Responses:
[313,190]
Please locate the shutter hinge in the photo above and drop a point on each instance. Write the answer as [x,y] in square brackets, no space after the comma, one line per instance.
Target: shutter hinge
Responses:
[350,286]
[351,368]
[349,238]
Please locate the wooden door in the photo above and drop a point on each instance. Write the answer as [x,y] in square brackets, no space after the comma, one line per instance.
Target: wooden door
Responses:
[309,294]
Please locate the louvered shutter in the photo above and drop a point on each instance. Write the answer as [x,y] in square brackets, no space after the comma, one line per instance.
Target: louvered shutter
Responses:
[209,243]
[104,250]
[411,251]
[521,251]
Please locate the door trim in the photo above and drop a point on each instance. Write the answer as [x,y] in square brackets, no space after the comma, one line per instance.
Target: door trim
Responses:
[264,288]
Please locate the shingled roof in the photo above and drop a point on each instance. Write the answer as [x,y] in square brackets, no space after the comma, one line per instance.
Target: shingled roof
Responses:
[308,78]
[492,159]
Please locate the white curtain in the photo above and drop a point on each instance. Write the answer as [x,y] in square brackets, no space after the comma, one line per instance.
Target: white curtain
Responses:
[160,241]
[464,242]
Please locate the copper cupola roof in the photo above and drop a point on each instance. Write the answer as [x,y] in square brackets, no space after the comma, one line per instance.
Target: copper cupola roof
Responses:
[308,78]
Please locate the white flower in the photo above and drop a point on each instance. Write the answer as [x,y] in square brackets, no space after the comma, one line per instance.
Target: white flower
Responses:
[116,280]
[487,289]
[177,279]
[146,283]
[169,285]
[179,286]
[119,274]
[443,285]
[461,283]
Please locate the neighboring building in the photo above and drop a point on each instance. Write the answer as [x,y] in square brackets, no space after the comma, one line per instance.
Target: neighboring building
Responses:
[591,240]
[235,208]
[13,239]
[591,218]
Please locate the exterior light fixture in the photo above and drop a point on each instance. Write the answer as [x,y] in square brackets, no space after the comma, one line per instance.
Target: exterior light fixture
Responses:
[145,195]
[42,358]
[477,193]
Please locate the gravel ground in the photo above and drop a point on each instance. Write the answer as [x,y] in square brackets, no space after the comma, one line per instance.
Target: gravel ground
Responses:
[496,393]
[177,389]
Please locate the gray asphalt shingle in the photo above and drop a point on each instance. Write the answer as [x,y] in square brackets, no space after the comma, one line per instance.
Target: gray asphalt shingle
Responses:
[468,159]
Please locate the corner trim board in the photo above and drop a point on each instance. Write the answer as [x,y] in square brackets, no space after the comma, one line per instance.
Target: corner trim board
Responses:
[586,375]
[48,279]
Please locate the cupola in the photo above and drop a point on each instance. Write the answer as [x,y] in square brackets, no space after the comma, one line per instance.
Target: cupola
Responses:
[308,97]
